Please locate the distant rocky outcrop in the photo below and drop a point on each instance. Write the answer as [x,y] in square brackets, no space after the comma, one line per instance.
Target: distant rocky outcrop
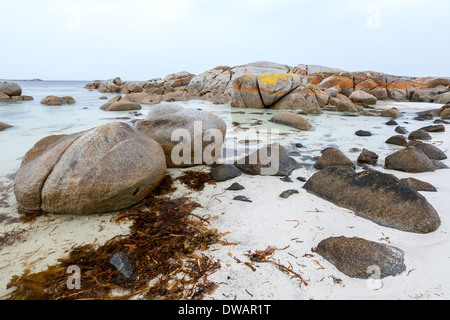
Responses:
[272,85]
[102,170]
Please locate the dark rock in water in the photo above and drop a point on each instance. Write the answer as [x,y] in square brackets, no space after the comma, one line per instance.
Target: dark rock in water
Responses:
[430,150]
[302,179]
[242,198]
[225,172]
[121,262]
[333,157]
[286,194]
[363,133]
[410,159]
[436,128]
[398,141]
[368,157]
[299,145]
[356,257]
[439,121]
[429,113]
[379,197]
[419,135]
[272,160]
[286,179]
[419,185]
[235,187]
[391,123]
[401,130]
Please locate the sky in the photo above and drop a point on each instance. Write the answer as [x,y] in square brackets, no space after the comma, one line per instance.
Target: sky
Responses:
[144,39]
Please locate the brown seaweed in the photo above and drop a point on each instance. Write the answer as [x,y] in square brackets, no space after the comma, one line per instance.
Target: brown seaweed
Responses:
[196,180]
[163,248]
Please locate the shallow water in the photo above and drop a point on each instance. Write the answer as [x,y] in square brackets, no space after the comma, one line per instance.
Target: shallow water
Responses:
[246,132]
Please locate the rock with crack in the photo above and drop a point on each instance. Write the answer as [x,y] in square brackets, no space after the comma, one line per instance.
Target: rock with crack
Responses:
[376,196]
[357,258]
[102,170]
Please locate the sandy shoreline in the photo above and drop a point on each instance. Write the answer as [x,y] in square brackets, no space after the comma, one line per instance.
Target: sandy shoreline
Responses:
[294,225]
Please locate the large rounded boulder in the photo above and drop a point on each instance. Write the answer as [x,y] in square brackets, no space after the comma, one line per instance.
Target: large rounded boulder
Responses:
[188,137]
[102,170]
[11,89]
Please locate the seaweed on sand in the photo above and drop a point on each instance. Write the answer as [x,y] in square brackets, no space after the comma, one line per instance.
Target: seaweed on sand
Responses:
[163,249]
[196,180]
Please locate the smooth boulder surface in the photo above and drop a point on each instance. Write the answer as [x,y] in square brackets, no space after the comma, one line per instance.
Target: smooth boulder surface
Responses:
[292,120]
[392,113]
[410,159]
[419,185]
[57,101]
[118,103]
[162,121]
[11,89]
[376,196]
[419,135]
[102,170]
[356,257]
[397,140]
[431,151]
[333,157]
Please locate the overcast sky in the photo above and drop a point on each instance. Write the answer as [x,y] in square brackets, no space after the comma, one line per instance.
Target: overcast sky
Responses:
[139,40]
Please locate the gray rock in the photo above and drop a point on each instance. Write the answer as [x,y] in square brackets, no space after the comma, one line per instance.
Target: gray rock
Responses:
[242,198]
[235,187]
[286,194]
[272,160]
[225,172]
[401,130]
[356,257]
[379,197]
[363,133]
[121,263]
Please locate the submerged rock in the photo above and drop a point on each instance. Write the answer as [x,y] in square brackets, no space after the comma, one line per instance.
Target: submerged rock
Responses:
[356,257]
[102,170]
[363,133]
[376,196]
[292,120]
[57,101]
[333,157]
[4,126]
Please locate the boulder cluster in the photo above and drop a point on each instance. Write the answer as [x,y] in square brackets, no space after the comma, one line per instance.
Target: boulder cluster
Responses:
[11,91]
